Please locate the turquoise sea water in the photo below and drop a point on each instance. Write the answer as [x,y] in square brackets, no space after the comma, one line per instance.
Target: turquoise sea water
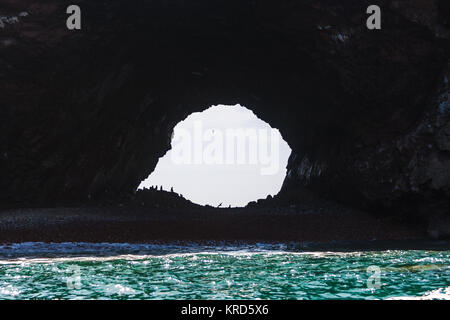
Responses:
[191,271]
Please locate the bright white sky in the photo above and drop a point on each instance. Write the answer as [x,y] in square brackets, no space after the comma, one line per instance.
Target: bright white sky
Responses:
[230,184]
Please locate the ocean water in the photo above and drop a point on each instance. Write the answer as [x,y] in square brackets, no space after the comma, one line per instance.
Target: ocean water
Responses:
[218,271]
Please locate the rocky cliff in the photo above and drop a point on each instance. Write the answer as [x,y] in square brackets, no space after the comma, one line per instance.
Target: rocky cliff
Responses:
[87,113]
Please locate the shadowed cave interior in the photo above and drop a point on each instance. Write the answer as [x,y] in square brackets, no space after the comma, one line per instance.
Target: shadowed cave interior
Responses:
[86,115]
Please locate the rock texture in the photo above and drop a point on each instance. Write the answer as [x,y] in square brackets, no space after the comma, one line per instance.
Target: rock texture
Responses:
[86,114]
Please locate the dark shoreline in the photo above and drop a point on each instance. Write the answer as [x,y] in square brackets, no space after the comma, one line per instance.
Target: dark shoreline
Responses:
[108,249]
[347,229]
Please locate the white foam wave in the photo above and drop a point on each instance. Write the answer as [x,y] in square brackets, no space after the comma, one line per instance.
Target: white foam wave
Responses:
[41,252]
[438,294]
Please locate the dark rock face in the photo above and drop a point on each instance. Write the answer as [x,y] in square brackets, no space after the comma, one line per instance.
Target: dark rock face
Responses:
[88,113]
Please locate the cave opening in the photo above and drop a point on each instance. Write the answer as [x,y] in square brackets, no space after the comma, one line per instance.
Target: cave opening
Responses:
[224,156]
